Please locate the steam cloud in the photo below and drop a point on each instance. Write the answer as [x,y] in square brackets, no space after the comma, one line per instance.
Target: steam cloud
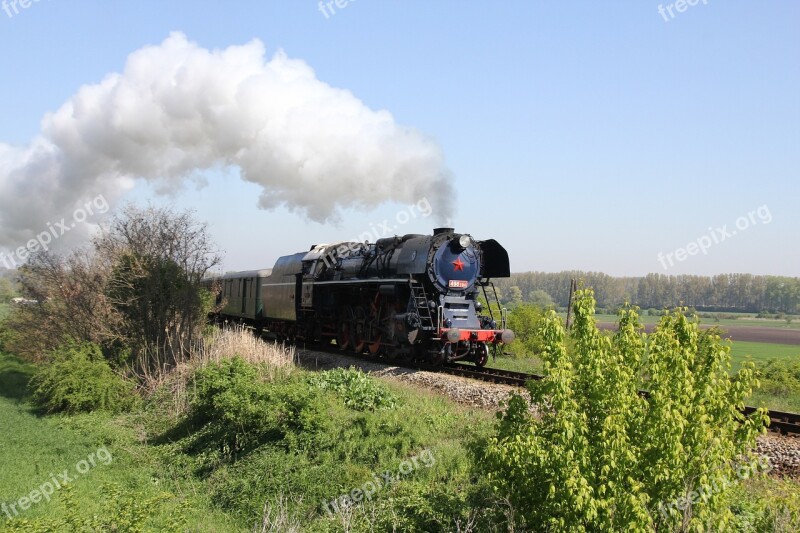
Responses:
[178,109]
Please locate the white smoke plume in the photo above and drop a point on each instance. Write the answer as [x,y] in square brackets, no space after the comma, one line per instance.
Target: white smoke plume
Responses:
[178,109]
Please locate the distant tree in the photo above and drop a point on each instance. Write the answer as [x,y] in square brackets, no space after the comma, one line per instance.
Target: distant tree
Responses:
[540,299]
[513,296]
[723,292]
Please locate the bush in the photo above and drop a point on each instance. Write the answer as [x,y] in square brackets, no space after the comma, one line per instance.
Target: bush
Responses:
[79,379]
[525,321]
[780,377]
[358,390]
[604,458]
[238,411]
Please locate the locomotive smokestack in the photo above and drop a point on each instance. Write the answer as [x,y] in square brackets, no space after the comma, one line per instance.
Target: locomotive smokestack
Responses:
[441,231]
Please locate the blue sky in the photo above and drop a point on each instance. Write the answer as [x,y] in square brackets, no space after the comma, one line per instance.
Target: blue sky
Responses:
[581,135]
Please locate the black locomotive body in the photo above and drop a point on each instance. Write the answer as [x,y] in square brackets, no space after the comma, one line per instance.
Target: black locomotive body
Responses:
[410,297]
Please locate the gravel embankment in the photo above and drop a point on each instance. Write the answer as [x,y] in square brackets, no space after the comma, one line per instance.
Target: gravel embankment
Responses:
[461,390]
[784,452]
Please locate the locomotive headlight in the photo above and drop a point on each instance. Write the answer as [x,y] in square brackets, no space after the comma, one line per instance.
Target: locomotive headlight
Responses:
[464,241]
[453,335]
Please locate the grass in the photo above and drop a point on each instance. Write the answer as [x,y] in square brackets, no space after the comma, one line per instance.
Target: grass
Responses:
[741,351]
[34,449]
[529,365]
[787,404]
[4,310]
[155,453]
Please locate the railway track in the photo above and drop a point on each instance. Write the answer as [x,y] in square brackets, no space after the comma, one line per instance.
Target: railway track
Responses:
[780,422]
[492,375]
[785,423]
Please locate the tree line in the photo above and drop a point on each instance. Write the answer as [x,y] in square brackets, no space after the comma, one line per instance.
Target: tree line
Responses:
[723,292]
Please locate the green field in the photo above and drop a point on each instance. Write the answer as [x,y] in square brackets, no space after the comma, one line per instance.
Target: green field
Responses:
[162,478]
[762,351]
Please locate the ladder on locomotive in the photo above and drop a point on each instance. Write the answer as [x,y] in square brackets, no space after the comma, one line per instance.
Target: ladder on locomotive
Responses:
[421,303]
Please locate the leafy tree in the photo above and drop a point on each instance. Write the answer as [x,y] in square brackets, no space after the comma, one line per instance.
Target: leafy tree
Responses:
[158,260]
[604,458]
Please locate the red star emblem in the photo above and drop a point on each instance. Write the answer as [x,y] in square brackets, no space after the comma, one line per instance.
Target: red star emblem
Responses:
[458,265]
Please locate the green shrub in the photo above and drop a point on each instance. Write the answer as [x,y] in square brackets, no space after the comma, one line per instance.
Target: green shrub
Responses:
[604,458]
[79,379]
[359,391]
[238,411]
[780,377]
[525,321]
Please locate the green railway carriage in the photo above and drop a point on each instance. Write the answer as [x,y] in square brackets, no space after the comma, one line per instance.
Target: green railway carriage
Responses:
[241,294]
[281,288]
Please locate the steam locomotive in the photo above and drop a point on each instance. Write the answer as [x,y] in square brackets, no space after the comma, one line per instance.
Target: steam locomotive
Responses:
[410,297]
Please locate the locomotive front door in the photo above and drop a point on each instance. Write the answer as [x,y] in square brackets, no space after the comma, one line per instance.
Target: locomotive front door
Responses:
[308,294]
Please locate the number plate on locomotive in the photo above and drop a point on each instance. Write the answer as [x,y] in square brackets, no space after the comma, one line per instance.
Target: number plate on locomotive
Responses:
[457,284]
